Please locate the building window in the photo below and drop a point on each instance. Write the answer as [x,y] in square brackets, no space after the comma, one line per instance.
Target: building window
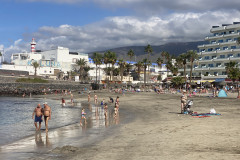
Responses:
[206,57]
[235,39]
[231,32]
[203,65]
[220,41]
[238,31]
[210,65]
[222,56]
[238,55]
[224,73]
[210,49]
[74,60]
[233,47]
[225,48]
[217,48]
[218,64]
[213,57]
[213,42]
[202,50]
[228,40]
[229,55]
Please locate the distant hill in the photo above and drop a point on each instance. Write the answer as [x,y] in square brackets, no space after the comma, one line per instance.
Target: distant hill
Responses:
[172,48]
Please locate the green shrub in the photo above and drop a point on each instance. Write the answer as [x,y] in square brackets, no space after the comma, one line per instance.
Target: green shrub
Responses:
[29,80]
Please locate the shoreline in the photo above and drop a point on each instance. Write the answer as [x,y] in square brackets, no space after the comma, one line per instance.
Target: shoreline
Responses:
[158,131]
[74,131]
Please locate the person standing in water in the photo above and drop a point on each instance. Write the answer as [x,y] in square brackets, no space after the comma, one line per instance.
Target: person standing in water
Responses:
[95,99]
[38,116]
[89,97]
[47,114]
[83,117]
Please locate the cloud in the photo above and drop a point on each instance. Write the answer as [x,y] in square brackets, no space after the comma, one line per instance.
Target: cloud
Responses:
[155,6]
[115,32]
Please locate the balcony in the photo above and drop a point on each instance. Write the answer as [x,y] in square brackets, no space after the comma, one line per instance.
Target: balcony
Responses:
[234,58]
[208,53]
[205,60]
[214,77]
[218,68]
[220,59]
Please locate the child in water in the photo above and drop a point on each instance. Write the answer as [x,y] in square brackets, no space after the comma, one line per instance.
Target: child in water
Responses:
[105,110]
[83,116]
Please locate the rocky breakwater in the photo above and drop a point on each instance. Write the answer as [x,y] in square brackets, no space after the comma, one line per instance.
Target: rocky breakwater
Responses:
[19,89]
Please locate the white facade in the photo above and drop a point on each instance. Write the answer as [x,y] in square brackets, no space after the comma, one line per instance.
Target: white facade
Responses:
[59,59]
[222,48]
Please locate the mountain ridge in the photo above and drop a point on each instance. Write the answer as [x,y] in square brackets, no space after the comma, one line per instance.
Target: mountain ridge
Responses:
[173,48]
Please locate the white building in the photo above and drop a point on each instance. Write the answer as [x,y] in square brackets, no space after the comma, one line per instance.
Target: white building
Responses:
[60,59]
[50,62]
[222,48]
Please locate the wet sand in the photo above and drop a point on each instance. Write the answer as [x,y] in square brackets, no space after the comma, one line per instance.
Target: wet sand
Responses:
[158,131]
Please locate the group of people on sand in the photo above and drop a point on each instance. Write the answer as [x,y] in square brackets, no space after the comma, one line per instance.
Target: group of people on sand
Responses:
[104,104]
[39,113]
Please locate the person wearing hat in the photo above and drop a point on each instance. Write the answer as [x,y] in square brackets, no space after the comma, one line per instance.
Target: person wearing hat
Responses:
[47,114]
[183,100]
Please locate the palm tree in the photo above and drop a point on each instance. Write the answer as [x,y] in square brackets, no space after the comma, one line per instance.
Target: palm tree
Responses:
[159,63]
[130,54]
[122,66]
[149,50]
[110,57]
[145,62]
[166,56]
[192,56]
[182,61]
[81,63]
[139,67]
[97,59]
[86,69]
[232,70]
[35,65]
[112,60]
[128,68]
[177,81]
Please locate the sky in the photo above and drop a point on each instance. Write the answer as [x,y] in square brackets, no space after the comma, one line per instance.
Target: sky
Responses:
[95,25]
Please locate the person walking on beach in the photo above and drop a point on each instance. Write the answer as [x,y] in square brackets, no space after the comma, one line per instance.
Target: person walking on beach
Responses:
[72,98]
[95,98]
[47,114]
[38,116]
[183,100]
[89,97]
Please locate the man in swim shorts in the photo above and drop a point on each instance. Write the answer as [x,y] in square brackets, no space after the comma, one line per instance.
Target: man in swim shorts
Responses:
[38,116]
[47,114]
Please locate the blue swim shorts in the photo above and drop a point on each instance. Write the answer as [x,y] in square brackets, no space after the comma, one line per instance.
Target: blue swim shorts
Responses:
[38,119]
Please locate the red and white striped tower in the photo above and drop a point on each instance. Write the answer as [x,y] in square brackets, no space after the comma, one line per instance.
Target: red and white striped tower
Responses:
[33,43]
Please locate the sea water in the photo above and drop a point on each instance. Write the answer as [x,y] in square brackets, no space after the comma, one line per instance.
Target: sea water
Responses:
[16,117]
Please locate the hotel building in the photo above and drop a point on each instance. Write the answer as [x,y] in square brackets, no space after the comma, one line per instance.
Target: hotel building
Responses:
[222,48]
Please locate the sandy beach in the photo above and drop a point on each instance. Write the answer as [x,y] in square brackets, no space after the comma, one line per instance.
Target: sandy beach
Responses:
[158,131]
